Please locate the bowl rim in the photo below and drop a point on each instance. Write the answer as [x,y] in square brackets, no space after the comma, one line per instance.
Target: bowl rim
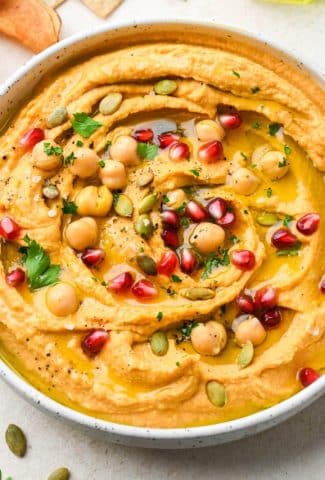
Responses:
[252,423]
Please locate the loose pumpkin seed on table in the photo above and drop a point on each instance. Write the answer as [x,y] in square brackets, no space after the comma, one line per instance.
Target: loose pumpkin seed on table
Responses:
[16,440]
[60,474]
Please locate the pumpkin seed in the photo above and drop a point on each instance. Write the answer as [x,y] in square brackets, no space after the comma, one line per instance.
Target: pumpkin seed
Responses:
[198,293]
[16,440]
[147,264]
[60,474]
[110,103]
[57,117]
[159,343]
[246,355]
[266,219]
[123,206]
[165,87]
[148,202]
[144,226]
[50,191]
[216,393]
[145,177]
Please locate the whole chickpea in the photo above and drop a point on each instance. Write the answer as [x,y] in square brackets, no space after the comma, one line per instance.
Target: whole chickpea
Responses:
[207,237]
[244,182]
[46,161]
[273,164]
[259,152]
[113,175]
[208,130]
[94,201]
[176,198]
[82,233]
[85,163]
[250,330]
[62,299]
[124,150]
[209,338]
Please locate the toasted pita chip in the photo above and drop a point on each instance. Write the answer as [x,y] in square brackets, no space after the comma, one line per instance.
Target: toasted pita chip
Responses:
[102,8]
[54,3]
[32,22]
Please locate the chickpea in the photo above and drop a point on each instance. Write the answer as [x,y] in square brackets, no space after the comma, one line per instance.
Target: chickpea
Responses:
[259,152]
[85,163]
[209,338]
[113,175]
[94,201]
[46,161]
[62,299]
[82,233]
[244,182]
[250,330]
[176,198]
[124,150]
[207,237]
[208,130]
[273,164]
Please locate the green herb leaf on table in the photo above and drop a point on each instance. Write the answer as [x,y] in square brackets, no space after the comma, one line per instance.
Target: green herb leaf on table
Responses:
[84,125]
[69,207]
[147,150]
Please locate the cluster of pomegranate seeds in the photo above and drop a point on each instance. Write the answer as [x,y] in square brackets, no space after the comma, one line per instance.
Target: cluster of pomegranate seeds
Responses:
[308,224]
[33,136]
[210,152]
[167,264]
[16,277]
[94,342]
[179,151]
[93,256]
[283,239]
[307,376]
[144,289]
[124,281]
[243,259]
[9,229]
[144,135]
[188,260]
[263,305]
[220,211]
[167,139]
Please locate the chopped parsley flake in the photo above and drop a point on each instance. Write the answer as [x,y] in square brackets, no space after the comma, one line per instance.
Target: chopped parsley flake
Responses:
[68,160]
[269,192]
[147,150]
[101,163]
[178,364]
[243,155]
[274,128]
[51,150]
[176,279]
[237,74]
[159,316]
[84,125]
[214,261]
[186,330]
[69,207]
[256,125]
[184,221]
[195,172]
[284,163]
[287,220]
[287,149]
[165,199]
[255,89]
[181,208]
[79,143]
[292,252]
[234,239]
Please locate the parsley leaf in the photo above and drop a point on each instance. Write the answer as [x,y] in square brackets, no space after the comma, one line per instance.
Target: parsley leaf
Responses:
[101,163]
[256,125]
[68,160]
[195,172]
[213,261]
[255,89]
[181,208]
[243,155]
[69,207]
[184,221]
[234,239]
[147,150]
[51,150]
[79,143]
[236,74]
[40,272]
[159,316]
[84,125]
[287,220]
[165,199]
[176,278]
[284,163]
[186,330]
[287,149]
[292,252]
[269,192]
[273,128]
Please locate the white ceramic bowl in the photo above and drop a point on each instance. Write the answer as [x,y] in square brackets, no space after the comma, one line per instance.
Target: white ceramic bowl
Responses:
[12,93]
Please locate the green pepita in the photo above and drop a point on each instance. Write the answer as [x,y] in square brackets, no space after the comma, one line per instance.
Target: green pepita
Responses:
[148,202]
[50,191]
[60,474]
[144,226]
[246,355]
[216,393]
[16,440]
[165,87]
[267,219]
[147,264]
[159,343]
[197,293]
[57,117]
[145,177]
[123,206]
[110,103]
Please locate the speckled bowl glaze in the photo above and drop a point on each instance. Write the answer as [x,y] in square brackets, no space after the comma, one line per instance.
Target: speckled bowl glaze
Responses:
[12,93]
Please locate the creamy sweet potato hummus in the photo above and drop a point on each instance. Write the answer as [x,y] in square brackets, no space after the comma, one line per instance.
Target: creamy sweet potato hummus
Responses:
[162,235]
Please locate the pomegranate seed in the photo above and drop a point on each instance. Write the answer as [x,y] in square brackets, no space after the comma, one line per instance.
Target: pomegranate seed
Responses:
[271,318]
[308,224]
[266,298]
[94,342]
[33,136]
[227,220]
[15,277]
[195,211]
[217,208]
[210,152]
[121,282]
[170,219]
[178,152]
[144,289]
[167,264]
[144,135]
[9,228]
[243,259]
[93,256]
[230,120]
[167,139]
[283,239]
[245,304]
[188,260]
[307,376]
[170,238]
[322,285]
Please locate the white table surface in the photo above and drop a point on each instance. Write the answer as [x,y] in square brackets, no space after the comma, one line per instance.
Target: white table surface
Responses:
[294,450]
